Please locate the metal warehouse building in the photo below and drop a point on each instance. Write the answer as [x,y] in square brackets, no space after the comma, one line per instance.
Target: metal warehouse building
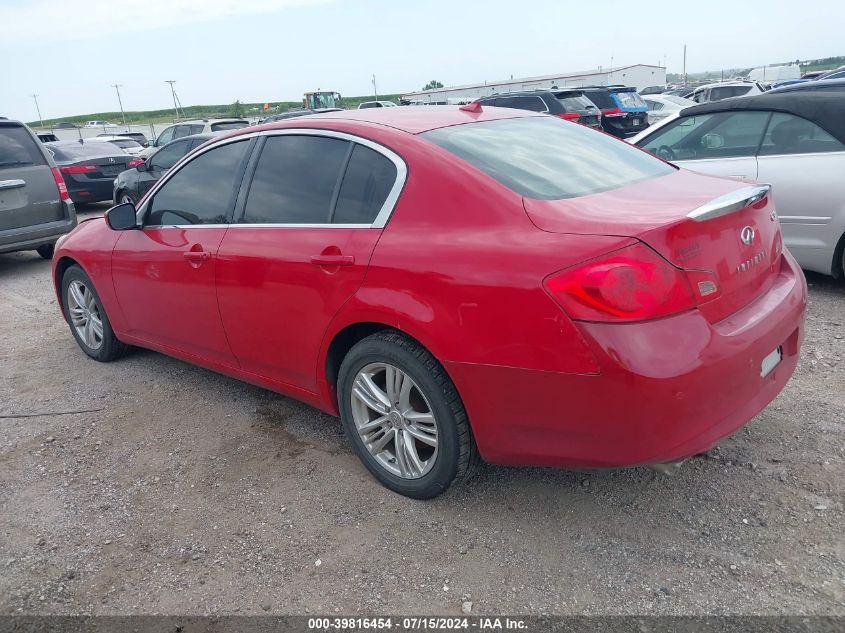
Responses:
[639,75]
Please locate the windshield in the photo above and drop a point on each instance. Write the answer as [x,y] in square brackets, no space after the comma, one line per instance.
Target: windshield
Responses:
[630,100]
[125,143]
[549,159]
[576,102]
[17,147]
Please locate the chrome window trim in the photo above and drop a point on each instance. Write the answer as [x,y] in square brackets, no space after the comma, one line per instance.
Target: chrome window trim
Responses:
[379,222]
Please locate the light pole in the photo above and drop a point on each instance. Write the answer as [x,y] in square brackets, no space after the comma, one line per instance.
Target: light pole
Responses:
[122,113]
[173,93]
[35,97]
[375,90]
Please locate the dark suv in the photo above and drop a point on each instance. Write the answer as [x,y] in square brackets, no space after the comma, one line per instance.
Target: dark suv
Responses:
[623,111]
[569,104]
[35,208]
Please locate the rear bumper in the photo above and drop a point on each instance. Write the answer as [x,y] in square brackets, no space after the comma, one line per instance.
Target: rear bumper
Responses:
[91,190]
[667,390]
[30,237]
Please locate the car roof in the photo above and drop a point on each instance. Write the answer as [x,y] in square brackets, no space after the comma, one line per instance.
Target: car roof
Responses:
[111,137]
[824,109]
[230,120]
[809,86]
[406,119]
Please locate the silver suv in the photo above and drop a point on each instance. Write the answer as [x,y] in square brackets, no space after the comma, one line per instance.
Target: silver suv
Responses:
[35,208]
[189,128]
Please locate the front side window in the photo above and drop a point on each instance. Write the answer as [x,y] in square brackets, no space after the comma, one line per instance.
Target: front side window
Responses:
[166,136]
[203,191]
[703,136]
[546,158]
[295,180]
[789,134]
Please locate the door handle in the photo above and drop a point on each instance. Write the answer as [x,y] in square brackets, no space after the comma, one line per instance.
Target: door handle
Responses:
[12,184]
[333,260]
[197,256]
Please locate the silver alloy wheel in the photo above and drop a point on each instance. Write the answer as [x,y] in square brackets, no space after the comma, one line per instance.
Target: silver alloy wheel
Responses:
[126,198]
[85,314]
[394,420]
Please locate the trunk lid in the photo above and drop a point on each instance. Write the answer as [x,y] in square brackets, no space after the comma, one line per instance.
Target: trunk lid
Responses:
[739,243]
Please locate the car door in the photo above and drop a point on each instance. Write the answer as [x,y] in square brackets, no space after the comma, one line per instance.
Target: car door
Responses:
[716,143]
[805,166]
[164,273]
[306,228]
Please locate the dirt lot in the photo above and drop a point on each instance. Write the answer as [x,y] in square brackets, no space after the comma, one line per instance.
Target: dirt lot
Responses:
[189,493]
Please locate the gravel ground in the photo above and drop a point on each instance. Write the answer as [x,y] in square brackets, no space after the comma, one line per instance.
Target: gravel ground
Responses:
[186,492]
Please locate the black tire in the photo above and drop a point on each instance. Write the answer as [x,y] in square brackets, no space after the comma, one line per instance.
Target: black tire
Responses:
[457,456]
[110,348]
[46,250]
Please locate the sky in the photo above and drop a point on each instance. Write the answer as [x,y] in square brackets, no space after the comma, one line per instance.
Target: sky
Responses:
[70,53]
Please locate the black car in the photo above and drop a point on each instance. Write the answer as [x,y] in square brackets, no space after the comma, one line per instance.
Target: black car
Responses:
[624,113]
[825,85]
[570,104]
[132,184]
[135,136]
[89,167]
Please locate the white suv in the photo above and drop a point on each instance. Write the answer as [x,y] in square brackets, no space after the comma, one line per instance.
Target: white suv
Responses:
[189,128]
[725,90]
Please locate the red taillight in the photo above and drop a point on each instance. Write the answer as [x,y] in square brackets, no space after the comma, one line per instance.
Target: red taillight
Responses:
[570,116]
[60,183]
[631,284]
[78,169]
[613,112]
[134,163]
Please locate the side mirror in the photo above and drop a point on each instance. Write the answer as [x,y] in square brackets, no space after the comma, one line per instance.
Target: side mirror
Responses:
[142,166]
[122,217]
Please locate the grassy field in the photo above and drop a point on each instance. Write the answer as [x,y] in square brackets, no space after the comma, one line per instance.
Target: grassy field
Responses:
[202,112]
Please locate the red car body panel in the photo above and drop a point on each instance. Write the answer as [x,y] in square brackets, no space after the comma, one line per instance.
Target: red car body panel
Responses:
[460,267]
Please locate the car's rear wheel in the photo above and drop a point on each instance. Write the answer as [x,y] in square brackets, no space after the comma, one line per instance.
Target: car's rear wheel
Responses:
[404,416]
[46,250]
[88,321]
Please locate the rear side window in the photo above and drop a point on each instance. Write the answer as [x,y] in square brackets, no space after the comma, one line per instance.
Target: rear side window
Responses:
[295,180]
[789,134]
[230,125]
[366,184]
[203,191]
[534,104]
[548,159]
[18,148]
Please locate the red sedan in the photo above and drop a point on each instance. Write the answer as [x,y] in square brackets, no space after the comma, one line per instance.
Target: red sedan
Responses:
[455,285]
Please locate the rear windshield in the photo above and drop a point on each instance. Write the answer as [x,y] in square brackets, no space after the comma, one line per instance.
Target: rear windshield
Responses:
[126,143]
[630,100]
[77,151]
[577,102]
[601,98]
[546,158]
[18,148]
[230,125]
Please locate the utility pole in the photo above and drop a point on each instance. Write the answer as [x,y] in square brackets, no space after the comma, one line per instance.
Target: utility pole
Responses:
[175,98]
[122,113]
[375,90]
[685,65]
[38,109]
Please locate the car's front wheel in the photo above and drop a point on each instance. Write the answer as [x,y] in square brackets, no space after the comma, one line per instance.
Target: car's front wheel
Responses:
[404,416]
[88,321]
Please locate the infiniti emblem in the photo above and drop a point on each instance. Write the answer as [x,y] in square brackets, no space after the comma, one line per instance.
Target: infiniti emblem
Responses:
[746,235]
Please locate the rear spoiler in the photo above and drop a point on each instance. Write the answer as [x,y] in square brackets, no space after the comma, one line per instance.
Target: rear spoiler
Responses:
[730,202]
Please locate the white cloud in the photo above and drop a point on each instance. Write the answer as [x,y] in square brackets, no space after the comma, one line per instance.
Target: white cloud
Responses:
[25,22]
